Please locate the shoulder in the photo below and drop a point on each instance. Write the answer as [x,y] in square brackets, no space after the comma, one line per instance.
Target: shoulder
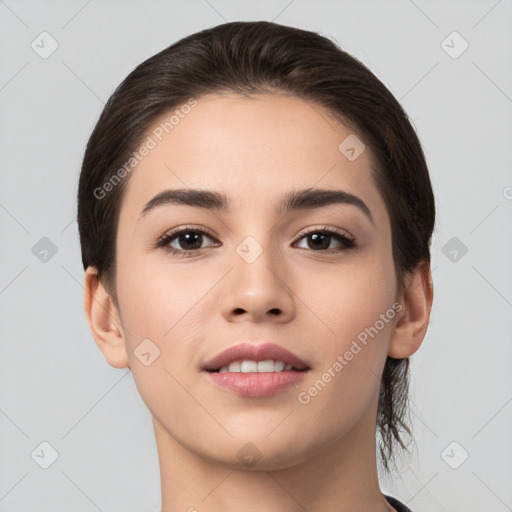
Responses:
[397,505]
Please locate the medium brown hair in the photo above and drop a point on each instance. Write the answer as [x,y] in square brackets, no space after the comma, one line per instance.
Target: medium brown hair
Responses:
[252,58]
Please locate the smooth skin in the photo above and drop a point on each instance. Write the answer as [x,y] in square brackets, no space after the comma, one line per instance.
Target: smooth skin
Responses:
[318,456]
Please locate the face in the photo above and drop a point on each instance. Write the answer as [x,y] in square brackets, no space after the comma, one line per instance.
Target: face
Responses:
[317,280]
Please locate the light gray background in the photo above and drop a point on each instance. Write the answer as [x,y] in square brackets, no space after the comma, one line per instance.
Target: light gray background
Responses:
[56,386]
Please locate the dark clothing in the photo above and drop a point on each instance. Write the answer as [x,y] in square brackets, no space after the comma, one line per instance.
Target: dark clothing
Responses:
[400,507]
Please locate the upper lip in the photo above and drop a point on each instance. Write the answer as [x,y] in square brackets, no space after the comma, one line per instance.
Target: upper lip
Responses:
[248,351]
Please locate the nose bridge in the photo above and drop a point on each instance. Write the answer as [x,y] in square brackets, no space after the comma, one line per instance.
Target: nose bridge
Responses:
[258,280]
[257,261]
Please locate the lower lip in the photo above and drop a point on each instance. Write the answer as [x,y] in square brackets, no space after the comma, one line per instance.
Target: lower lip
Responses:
[256,384]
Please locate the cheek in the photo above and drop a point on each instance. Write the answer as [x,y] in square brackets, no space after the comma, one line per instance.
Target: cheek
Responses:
[172,307]
[344,303]
[157,301]
[163,315]
[355,306]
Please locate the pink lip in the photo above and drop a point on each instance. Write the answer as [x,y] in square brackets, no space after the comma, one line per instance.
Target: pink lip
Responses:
[255,384]
[251,352]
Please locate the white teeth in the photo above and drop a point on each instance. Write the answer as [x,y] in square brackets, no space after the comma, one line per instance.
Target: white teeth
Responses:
[265,366]
[278,366]
[235,367]
[248,366]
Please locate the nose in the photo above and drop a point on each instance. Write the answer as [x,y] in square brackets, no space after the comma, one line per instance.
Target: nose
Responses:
[259,286]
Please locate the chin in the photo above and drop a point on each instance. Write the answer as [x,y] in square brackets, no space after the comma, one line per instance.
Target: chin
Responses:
[256,453]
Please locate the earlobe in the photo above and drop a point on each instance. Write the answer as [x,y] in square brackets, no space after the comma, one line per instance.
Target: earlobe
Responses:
[104,321]
[411,326]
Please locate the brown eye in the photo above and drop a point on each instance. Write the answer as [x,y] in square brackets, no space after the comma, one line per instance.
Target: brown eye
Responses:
[188,240]
[184,241]
[320,240]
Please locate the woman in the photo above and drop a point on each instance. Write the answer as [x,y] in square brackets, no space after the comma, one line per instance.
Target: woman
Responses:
[255,216]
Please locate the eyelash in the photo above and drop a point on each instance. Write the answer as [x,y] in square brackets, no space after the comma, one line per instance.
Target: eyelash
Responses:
[164,241]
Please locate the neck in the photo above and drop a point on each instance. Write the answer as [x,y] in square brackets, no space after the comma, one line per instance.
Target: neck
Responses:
[343,474]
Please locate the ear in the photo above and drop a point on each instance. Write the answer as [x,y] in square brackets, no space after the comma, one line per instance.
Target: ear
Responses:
[411,326]
[104,321]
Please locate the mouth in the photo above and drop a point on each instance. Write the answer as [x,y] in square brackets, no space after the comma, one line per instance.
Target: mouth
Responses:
[256,371]
[249,358]
[264,366]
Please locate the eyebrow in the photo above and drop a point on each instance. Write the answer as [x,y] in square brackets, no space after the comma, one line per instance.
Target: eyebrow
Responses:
[293,200]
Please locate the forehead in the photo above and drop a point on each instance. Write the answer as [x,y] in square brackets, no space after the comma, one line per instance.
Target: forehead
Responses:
[251,148]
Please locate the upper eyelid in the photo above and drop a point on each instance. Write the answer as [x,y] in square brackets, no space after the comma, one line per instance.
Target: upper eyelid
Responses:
[171,233]
[335,231]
